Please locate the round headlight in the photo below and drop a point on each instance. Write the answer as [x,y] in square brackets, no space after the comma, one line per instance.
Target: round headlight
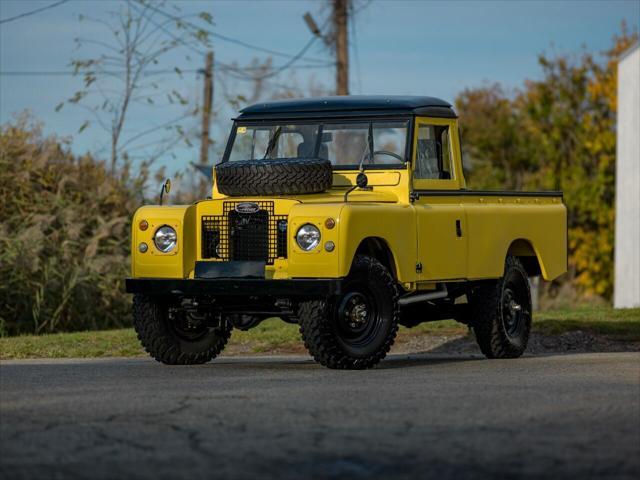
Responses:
[165,239]
[308,237]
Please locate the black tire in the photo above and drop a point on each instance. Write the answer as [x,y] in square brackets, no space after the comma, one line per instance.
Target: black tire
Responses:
[501,313]
[165,342]
[330,330]
[283,176]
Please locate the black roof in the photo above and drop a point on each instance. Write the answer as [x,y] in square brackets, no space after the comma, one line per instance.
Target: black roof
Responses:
[350,105]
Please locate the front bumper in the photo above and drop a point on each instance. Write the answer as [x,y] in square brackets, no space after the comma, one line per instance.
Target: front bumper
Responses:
[237,287]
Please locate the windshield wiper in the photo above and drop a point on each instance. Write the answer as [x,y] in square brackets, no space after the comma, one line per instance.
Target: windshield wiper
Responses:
[272,142]
[369,148]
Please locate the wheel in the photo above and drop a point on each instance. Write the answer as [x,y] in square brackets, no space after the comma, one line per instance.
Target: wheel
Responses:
[357,329]
[281,176]
[501,313]
[172,336]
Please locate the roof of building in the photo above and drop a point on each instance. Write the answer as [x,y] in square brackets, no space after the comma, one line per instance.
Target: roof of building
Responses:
[350,105]
[629,51]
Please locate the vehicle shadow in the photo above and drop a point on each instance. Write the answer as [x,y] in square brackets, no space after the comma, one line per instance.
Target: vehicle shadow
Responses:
[423,359]
[461,349]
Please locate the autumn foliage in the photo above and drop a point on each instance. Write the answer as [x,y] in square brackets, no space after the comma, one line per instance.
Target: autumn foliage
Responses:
[556,133]
[64,236]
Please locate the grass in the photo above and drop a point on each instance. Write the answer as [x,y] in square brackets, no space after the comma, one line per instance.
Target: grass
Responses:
[276,336]
[105,343]
[621,324]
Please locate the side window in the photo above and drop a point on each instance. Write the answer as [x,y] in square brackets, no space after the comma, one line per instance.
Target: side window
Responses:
[433,153]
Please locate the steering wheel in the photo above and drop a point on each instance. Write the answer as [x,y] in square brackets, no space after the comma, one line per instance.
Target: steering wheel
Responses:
[386,152]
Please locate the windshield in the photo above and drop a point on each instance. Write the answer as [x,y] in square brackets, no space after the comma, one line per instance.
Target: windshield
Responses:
[343,143]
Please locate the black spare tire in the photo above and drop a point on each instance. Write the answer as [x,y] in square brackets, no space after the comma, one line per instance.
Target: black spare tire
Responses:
[280,176]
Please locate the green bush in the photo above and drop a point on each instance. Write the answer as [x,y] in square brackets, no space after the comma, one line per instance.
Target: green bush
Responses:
[64,236]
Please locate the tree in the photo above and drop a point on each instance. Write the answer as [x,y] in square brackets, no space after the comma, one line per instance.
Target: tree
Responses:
[496,152]
[128,73]
[557,133]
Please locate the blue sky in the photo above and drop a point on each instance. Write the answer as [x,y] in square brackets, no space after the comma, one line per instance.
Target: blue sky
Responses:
[403,47]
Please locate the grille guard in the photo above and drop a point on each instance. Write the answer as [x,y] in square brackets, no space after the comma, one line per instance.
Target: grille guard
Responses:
[246,236]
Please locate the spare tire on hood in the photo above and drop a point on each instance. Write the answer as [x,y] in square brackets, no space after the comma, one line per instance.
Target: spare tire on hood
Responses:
[280,176]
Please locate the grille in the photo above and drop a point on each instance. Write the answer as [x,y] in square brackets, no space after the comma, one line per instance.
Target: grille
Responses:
[245,236]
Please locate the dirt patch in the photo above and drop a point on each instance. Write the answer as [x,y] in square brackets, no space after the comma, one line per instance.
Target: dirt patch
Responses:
[253,348]
[464,344]
[569,342]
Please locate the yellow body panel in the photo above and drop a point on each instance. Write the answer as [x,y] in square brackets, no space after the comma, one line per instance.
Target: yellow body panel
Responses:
[153,263]
[421,233]
[494,224]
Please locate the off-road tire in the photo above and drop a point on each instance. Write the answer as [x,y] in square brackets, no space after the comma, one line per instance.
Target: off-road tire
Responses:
[284,176]
[487,313]
[150,322]
[316,319]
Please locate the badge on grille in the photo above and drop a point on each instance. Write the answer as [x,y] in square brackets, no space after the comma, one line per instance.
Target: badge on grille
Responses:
[247,207]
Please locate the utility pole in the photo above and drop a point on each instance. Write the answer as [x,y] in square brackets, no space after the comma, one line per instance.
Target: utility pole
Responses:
[207,103]
[341,21]
[339,40]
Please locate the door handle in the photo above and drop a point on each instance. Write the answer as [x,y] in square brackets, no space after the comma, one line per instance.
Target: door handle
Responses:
[458,228]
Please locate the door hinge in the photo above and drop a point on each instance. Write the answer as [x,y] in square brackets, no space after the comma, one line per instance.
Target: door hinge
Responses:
[419,267]
[413,196]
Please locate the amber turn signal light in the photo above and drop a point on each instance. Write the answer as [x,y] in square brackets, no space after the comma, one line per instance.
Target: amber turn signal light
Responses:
[329,223]
[143,225]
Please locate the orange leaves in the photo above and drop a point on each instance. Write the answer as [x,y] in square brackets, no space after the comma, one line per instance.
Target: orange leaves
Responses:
[556,133]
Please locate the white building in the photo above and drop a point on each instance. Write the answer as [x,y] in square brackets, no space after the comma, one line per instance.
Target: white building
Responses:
[627,248]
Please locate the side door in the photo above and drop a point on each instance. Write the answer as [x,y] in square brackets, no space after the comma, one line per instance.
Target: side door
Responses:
[441,218]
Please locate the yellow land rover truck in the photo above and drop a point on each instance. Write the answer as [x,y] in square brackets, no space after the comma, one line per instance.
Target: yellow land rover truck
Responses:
[347,216]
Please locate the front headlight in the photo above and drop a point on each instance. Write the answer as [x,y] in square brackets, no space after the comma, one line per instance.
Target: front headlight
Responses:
[165,239]
[308,237]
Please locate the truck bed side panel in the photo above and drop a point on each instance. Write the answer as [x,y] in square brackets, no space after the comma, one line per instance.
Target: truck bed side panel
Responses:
[494,224]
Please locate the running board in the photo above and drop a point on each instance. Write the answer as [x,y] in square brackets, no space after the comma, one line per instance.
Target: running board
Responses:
[423,297]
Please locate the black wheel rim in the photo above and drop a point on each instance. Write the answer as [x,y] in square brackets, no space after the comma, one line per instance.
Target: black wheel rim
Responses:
[358,317]
[515,306]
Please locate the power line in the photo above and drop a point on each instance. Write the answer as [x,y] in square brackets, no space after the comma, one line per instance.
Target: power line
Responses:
[33,12]
[362,7]
[289,63]
[276,71]
[222,66]
[260,49]
[226,38]
[55,73]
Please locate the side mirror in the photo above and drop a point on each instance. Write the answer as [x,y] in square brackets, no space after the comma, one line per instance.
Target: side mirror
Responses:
[166,188]
[362,180]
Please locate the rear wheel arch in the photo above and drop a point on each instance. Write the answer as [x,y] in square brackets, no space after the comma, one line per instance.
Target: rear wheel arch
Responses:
[524,251]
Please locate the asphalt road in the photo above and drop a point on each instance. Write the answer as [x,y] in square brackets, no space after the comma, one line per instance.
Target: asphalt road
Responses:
[571,416]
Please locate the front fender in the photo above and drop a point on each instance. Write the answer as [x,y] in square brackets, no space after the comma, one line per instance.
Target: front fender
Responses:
[392,223]
[318,263]
[153,263]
